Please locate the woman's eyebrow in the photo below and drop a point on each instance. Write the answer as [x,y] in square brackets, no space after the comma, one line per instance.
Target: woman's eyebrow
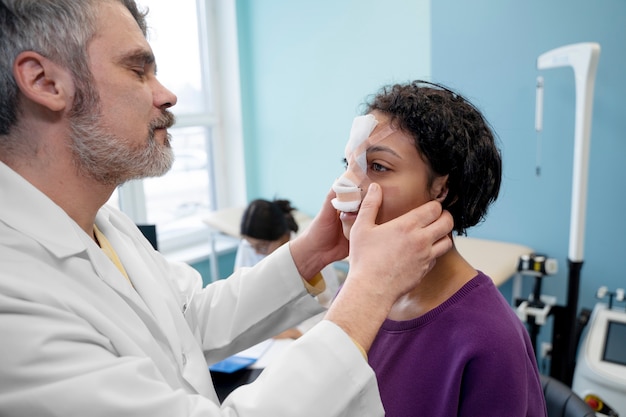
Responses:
[378,148]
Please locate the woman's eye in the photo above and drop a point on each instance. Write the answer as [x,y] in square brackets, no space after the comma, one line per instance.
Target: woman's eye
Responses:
[345,163]
[378,167]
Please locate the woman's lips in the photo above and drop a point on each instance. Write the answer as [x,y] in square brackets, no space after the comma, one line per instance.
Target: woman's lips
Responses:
[348,215]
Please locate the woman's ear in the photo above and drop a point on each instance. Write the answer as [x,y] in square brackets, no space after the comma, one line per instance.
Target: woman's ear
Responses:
[439,189]
[42,81]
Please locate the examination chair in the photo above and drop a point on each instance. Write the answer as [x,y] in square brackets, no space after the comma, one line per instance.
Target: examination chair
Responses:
[561,401]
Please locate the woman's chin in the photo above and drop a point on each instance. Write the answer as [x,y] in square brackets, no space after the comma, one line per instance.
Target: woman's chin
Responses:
[347,220]
[346,229]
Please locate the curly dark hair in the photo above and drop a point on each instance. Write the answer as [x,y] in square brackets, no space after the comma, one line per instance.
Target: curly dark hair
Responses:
[268,220]
[453,138]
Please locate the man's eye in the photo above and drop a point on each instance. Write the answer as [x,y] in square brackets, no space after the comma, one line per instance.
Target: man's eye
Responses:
[140,72]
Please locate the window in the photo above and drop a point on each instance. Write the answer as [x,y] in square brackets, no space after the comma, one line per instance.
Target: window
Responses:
[187,37]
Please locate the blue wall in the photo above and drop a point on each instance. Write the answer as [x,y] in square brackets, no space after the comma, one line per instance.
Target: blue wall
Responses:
[307,65]
[225,266]
[306,68]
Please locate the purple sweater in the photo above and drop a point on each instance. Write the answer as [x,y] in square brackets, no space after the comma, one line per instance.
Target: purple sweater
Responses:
[471,356]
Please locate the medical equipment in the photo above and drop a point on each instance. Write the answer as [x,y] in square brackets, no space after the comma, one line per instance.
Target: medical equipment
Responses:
[600,375]
[536,308]
[583,58]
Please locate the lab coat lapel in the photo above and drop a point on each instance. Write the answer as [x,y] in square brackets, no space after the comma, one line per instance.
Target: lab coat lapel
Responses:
[148,292]
[109,273]
[164,301]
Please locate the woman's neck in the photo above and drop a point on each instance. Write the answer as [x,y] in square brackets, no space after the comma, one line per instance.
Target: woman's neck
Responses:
[448,275]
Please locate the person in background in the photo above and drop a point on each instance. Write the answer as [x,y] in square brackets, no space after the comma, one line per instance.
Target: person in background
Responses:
[452,346]
[94,321]
[265,226]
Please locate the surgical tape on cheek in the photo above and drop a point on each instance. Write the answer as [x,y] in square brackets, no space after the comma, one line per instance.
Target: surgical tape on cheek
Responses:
[346,187]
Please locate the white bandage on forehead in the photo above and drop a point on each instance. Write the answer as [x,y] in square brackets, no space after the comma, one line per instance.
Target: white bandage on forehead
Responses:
[346,187]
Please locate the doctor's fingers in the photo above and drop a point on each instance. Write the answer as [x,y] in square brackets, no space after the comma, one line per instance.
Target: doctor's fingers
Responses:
[440,231]
[442,246]
[428,230]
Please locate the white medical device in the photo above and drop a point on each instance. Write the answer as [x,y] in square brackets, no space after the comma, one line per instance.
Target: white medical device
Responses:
[583,59]
[600,374]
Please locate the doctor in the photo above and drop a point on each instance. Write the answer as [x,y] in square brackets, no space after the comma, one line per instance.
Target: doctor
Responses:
[93,321]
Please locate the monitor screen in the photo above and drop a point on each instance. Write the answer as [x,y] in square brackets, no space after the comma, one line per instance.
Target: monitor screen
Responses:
[149,231]
[615,346]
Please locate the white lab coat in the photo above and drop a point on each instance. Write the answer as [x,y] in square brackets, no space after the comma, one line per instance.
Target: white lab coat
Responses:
[246,257]
[77,340]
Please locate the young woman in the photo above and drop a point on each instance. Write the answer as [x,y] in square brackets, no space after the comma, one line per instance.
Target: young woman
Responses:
[453,346]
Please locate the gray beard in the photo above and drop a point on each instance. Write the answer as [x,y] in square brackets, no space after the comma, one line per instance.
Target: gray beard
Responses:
[109,160]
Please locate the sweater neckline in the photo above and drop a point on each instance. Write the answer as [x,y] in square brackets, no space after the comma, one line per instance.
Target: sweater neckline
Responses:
[395,325]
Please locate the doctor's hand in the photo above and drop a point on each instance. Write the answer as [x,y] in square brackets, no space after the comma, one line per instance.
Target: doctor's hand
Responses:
[321,243]
[386,262]
[400,252]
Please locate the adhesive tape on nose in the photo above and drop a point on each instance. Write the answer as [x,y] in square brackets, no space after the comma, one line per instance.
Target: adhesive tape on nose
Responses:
[348,192]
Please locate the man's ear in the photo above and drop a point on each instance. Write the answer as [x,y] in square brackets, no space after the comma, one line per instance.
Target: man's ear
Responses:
[42,81]
[439,189]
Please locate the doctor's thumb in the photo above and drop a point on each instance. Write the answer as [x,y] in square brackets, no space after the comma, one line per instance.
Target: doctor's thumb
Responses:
[370,204]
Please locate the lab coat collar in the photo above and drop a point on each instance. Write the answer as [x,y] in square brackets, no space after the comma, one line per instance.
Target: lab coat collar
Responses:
[24,214]
[32,213]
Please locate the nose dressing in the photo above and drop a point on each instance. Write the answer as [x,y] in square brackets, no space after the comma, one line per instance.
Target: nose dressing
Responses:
[346,187]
